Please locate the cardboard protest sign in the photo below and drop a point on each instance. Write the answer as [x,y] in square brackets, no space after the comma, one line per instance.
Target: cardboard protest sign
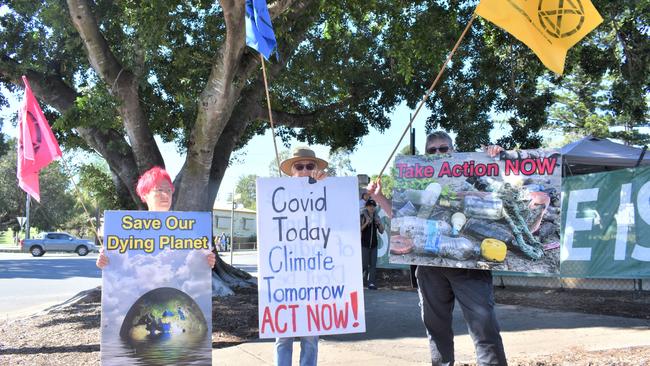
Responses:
[309,262]
[156,289]
[467,210]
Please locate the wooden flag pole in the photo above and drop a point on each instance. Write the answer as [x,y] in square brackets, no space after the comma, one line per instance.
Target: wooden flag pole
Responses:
[268,103]
[426,96]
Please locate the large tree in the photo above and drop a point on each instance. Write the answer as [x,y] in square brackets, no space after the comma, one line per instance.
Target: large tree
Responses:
[114,74]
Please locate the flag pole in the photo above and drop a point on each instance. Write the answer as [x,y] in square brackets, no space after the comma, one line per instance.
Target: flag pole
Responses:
[27,203]
[426,96]
[268,103]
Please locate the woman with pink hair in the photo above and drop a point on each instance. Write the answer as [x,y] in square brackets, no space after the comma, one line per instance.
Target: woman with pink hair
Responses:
[155,188]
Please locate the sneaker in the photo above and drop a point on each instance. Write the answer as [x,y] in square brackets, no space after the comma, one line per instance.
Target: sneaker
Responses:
[372,286]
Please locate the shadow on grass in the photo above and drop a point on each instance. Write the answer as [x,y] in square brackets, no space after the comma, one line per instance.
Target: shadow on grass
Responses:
[85,321]
[83,348]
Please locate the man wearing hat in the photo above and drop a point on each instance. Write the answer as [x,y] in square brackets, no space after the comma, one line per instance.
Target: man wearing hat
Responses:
[303,163]
[371,227]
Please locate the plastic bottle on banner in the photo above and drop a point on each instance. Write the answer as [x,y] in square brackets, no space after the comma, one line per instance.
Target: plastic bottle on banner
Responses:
[458,248]
[484,208]
[418,229]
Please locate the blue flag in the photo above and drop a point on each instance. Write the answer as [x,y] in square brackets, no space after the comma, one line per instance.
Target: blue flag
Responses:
[259,31]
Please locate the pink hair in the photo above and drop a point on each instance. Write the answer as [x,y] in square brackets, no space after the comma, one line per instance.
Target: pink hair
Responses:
[150,179]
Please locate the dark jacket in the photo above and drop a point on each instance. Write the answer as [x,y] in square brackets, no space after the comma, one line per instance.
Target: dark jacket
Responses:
[371,231]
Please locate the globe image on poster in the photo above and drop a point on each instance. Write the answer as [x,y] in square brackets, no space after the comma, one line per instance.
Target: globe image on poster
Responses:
[164,326]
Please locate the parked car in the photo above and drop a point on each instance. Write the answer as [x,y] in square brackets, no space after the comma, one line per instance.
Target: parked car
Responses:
[57,242]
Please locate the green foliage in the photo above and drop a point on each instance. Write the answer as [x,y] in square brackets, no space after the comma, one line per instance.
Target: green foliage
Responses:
[247,191]
[95,182]
[608,77]
[406,150]
[273,164]
[360,59]
[340,164]
[57,206]
[387,183]
[7,238]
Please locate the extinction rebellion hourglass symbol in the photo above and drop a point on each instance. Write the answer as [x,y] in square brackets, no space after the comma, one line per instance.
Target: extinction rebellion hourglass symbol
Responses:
[34,131]
[561,18]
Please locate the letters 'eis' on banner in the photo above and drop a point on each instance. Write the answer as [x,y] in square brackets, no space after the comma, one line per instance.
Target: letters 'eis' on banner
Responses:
[37,146]
[309,246]
[549,27]
[606,224]
[156,289]
[467,210]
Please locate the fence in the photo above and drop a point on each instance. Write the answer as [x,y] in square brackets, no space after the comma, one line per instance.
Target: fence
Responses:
[514,279]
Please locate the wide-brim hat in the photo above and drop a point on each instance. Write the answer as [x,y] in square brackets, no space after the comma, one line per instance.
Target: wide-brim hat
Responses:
[302,153]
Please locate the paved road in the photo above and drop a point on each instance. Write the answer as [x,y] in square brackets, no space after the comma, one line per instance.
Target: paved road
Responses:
[244,260]
[30,284]
[395,335]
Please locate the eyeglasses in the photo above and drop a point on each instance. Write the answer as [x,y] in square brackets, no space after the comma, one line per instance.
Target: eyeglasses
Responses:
[300,167]
[162,191]
[434,149]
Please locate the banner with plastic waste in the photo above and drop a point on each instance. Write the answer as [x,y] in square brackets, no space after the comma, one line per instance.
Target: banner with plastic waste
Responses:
[468,210]
[606,221]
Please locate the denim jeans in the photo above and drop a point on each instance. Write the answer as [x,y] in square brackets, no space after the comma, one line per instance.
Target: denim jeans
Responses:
[308,351]
[369,265]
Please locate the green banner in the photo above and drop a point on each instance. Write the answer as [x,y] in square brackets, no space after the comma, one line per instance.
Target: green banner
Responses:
[606,224]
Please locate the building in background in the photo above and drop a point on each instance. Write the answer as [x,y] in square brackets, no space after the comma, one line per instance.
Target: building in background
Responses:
[244,228]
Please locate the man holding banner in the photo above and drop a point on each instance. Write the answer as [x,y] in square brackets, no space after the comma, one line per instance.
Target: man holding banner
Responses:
[439,287]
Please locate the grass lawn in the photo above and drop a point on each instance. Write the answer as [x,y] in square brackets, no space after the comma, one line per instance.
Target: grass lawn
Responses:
[7,237]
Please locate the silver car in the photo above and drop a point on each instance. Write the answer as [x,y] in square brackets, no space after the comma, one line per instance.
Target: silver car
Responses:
[58,242]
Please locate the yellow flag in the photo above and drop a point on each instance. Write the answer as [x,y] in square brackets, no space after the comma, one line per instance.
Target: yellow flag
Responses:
[548,27]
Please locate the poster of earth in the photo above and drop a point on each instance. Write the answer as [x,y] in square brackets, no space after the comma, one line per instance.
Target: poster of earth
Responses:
[156,299]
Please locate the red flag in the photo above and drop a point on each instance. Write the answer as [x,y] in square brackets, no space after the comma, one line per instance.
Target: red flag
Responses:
[37,146]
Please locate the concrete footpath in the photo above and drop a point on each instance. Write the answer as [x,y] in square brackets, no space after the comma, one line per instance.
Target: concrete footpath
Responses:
[395,335]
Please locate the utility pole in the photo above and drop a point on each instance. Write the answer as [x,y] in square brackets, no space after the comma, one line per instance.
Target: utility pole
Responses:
[232,224]
[27,201]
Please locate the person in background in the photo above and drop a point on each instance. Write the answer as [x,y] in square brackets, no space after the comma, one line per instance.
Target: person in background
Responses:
[303,163]
[371,227]
[440,287]
[155,188]
[362,201]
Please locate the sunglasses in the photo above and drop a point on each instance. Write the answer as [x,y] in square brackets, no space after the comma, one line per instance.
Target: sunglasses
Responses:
[433,149]
[300,167]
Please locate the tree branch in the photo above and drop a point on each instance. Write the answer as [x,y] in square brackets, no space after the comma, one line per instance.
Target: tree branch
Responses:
[99,54]
[109,143]
[122,83]
[278,7]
